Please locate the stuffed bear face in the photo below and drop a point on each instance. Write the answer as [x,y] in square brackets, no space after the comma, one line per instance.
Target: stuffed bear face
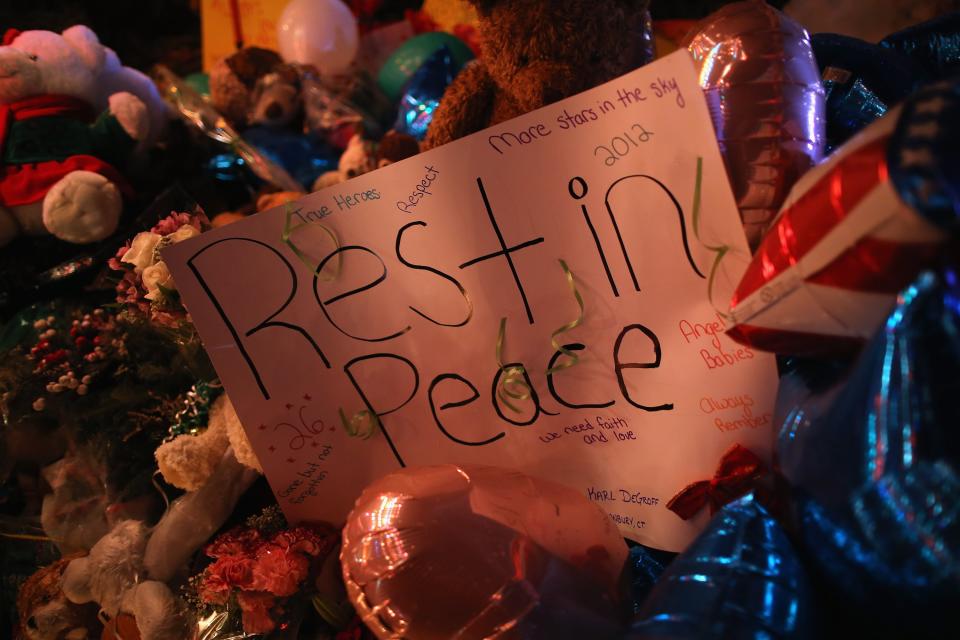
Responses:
[540,51]
[275,99]
[45,614]
[43,62]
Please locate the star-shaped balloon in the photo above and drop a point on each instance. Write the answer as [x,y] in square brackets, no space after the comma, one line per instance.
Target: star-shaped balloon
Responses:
[875,465]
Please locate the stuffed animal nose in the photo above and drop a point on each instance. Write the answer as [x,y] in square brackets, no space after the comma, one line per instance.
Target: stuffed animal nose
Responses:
[273,111]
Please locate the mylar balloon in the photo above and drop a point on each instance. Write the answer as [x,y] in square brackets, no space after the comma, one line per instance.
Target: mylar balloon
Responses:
[763,88]
[318,32]
[876,465]
[862,82]
[854,231]
[934,45]
[402,63]
[422,94]
[739,579]
[451,551]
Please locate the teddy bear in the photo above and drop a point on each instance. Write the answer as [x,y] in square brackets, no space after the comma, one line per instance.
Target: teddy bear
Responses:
[59,172]
[44,612]
[358,158]
[255,86]
[536,52]
[394,147]
[188,460]
[128,570]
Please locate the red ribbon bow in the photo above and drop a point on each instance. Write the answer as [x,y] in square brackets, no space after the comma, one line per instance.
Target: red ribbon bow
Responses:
[738,471]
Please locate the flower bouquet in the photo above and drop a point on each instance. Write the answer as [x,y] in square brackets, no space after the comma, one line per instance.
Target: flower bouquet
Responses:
[265,573]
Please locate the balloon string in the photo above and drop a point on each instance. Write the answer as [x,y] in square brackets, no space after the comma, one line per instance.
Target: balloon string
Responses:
[512,382]
[27,536]
[288,231]
[237,25]
[156,485]
[571,358]
[720,250]
[363,424]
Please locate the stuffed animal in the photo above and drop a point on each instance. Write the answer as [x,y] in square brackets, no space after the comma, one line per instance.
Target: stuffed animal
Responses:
[357,159]
[60,161]
[127,571]
[44,612]
[536,52]
[255,86]
[188,461]
[396,146]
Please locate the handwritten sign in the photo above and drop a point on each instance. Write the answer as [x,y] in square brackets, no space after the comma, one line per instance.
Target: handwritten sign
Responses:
[386,294]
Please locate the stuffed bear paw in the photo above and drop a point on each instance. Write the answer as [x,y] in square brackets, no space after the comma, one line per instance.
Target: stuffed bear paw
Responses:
[131,113]
[82,207]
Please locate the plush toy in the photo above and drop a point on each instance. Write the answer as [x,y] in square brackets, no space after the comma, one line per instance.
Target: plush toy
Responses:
[255,86]
[358,158]
[396,146]
[536,52]
[127,571]
[188,461]
[60,161]
[44,612]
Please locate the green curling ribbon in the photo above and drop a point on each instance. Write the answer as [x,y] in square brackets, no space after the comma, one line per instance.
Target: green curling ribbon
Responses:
[300,253]
[571,358]
[512,377]
[195,414]
[720,250]
[355,425]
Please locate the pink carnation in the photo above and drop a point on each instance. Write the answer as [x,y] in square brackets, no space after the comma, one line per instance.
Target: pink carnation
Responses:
[236,571]
[114,262]
[174,221]
[304,540]
[236,542]
[255,607]
[213,588]
[279,571]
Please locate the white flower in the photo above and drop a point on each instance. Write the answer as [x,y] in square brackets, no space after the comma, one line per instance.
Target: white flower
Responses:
[154,277]
[140,254]
[183,233]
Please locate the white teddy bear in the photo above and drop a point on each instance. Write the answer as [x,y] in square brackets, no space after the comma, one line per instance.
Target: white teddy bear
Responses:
[59,172]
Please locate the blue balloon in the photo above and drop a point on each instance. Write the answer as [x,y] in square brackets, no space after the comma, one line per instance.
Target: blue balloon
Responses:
[646,565]
[862,81]
[740,579]
[934,45]
[422,94]
[875,465]
[923,156]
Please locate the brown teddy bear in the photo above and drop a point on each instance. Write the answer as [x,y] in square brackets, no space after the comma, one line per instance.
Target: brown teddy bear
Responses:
[536,52]
[255,86]
[46,614]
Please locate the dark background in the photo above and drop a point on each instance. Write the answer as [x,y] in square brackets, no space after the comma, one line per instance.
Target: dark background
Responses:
[146,32]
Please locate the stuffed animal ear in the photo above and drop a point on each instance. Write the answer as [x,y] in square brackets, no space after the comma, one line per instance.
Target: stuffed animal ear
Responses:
[76,581]
[86,43]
